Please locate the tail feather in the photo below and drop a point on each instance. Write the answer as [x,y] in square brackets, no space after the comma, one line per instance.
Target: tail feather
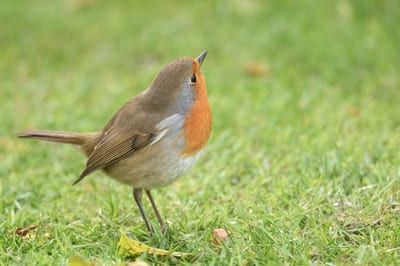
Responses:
[54,136]
[87,141]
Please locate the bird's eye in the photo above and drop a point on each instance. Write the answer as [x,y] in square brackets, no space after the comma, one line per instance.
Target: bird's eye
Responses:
[193,79]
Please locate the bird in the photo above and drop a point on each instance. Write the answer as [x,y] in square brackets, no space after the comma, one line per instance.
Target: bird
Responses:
[153,139]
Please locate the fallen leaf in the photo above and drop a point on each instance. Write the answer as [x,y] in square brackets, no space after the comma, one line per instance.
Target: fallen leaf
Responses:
[78,261]
[24,231]
[257,69]
[130,247]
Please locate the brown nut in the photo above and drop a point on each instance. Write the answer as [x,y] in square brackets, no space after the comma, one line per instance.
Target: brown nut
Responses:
[219,236]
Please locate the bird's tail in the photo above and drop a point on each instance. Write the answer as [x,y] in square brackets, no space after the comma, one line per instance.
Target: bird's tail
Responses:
[86,140]
[54,136]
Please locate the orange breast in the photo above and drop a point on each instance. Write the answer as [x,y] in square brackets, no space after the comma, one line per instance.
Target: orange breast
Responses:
[197,126]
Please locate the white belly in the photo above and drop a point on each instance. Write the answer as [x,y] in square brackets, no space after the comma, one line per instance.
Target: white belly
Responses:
[152,167]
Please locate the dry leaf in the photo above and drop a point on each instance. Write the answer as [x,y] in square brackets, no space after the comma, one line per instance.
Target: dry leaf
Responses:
[24,231]
[256,69]
[130,247]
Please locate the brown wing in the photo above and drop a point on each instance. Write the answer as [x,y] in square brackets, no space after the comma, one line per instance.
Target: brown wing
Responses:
[109,152]
[128,131]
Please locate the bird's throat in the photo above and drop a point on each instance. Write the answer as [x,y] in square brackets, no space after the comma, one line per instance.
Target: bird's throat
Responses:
[197,126]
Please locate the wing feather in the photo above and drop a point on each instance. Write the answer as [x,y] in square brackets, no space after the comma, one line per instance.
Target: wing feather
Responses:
[109,152]
[122,136]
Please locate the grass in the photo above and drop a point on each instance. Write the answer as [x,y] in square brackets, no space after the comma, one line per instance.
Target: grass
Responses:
[303,164]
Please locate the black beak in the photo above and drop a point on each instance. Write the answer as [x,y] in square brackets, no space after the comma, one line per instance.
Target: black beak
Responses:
[201,57]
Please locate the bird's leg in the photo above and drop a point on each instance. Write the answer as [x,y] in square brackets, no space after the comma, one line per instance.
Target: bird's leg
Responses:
[137,194]
[160,220]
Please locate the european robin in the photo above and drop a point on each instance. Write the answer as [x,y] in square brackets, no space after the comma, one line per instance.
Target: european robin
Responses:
[156,137]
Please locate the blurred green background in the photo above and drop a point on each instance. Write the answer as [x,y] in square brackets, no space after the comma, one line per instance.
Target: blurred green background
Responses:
[303,163]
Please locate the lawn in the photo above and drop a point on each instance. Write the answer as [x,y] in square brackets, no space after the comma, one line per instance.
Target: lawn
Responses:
[303,165]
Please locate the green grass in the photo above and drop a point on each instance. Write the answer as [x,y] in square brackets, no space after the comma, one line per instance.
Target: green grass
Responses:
[303,165]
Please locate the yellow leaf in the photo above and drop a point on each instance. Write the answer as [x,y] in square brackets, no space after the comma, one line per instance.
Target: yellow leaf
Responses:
[130,247]
[78,261]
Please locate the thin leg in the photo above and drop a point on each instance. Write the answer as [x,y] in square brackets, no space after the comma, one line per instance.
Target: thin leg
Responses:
[137,194]
[160,220]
